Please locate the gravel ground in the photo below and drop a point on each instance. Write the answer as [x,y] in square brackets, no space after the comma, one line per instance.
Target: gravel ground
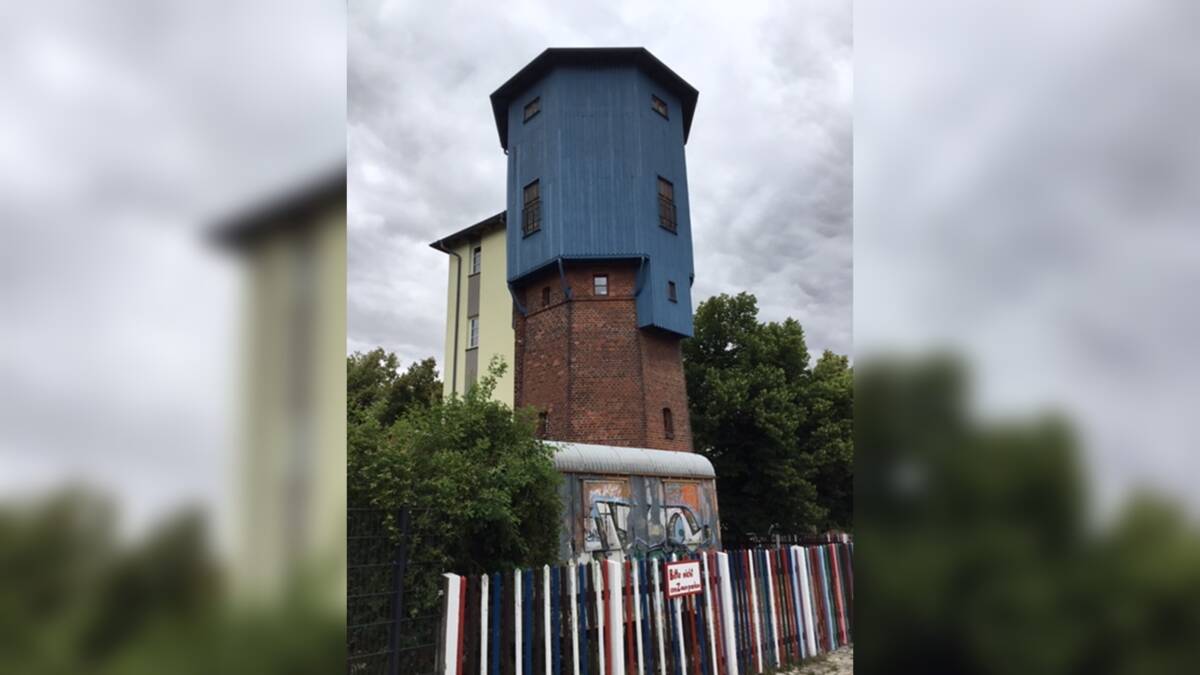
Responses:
[840,662]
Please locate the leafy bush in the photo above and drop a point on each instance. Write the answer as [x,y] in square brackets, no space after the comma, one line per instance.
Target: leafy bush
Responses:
[481,487]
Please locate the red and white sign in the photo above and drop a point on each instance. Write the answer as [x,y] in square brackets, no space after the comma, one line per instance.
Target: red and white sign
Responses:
[684,578]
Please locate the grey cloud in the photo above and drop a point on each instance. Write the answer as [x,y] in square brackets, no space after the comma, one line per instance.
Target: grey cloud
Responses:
[1026,202]
[769,160]
[129,127]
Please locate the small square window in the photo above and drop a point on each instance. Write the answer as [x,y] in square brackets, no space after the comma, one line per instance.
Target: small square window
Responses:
[668,423]
[545,296]
[600,284]
[476,259]
[472,332]
[533,108]
[659,106]
[671,291]
[532,213]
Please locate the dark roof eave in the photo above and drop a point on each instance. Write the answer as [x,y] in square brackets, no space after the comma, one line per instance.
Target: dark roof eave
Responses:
[283,211]
[556,56]
[497,220]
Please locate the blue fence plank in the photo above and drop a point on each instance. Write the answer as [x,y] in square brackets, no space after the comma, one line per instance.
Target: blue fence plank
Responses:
[584,593]
[527,621]
[495,618]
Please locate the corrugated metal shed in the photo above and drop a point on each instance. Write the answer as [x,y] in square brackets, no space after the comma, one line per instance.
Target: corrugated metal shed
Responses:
[609,459]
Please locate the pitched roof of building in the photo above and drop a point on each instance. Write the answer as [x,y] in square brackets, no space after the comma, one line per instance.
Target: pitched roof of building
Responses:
[470,231]
[591,56]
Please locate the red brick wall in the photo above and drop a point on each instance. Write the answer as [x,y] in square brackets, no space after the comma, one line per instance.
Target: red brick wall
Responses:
[585,362]
[662,371]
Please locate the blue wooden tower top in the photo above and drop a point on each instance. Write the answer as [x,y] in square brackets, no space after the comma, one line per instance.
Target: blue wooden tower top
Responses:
[596,171]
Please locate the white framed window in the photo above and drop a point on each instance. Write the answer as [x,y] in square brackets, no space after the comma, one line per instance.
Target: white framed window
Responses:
[472,332]
[600,284]
[476,259]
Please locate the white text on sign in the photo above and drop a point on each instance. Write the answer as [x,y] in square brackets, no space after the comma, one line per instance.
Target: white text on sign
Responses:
[684,578]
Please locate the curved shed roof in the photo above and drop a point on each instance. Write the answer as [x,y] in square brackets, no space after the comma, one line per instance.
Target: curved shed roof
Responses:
[609,459]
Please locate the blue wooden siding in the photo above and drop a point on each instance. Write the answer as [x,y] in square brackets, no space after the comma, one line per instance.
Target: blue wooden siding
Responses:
[597,149]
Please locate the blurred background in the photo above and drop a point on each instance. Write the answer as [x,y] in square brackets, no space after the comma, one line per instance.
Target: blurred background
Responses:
[1025,337]
[1025,260]
[172,201]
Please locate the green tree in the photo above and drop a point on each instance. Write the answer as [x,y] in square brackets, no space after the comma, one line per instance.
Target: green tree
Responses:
[481,487]
[777,432]
[79,598]
[374,383]
[829,436]
[976,554]
[377,395]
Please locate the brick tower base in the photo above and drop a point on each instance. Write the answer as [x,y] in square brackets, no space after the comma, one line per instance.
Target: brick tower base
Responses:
[585,364]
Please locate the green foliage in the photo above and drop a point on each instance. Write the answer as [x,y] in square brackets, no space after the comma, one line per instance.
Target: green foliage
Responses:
[480,485]
[377,395]
[375,384]
[77,599]
[975,553]
[777,431]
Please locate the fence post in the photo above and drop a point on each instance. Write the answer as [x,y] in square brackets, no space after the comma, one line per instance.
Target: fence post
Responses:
[600,589]
[708,610]
[726,595]
[658,593]
[484,597]
[516,621]
[613,578]
[399,570]
[637,616]
[449,655]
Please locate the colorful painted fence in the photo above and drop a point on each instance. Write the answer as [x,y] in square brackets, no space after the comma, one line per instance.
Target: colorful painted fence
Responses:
[754,611]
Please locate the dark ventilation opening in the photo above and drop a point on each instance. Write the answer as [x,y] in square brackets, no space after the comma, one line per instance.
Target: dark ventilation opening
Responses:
[668,423]
[659,106]
[542,424]
[532,108]
[545,296]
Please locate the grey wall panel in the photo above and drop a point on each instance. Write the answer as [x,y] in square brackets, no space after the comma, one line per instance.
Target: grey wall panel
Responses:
[472,367]
[473,295]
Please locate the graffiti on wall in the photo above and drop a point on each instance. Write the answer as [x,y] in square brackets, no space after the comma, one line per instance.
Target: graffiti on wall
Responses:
[606,525]
[671,516]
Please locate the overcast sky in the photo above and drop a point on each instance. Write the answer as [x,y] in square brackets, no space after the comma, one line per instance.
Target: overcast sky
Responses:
[1026,194]
[126,129]
[769,155]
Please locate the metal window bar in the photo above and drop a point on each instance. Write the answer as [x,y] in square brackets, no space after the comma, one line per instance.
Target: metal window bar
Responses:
[532,217]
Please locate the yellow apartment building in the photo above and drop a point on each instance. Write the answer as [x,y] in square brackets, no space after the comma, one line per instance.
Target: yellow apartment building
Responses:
[479,318]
